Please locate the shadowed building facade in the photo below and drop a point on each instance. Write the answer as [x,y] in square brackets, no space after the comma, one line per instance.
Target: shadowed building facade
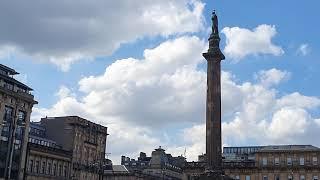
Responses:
[68,147]
[16,104]
[46,160]
[85,139]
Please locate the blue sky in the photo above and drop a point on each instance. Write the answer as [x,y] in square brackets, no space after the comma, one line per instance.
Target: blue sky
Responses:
[287,74]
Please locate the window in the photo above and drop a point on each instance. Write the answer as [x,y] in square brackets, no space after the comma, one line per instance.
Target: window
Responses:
[49,168]
[276,161]
[37,166]
[31,166]
[277,177]
[302,177]
[3,72]
[60,170]
[314,160]
[19,133]
[301,161]
[5,131]
[315,177]
[54,169]
[8,111]
[43,168]
[8,86]
[289,177]
[265,177]
[264,161]
[21,116]
[289,161]
[247,177]
[65,171]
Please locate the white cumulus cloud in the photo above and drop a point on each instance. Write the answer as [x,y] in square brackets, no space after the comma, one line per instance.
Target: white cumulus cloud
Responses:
[241,42]
[272,77]
[64,32]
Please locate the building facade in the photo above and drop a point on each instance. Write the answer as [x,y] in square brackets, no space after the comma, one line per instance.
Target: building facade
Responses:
[285,162]
[84,139]
[45,158]
[16,104]
[159,166]
[280,162]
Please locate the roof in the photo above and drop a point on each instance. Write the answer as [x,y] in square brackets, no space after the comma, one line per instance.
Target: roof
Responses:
[274,148]
[119,168]
[79,121]
[242,147]
[37,125]
[7,69]
[12,80]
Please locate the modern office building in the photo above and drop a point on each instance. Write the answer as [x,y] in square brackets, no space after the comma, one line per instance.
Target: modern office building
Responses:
[16,104]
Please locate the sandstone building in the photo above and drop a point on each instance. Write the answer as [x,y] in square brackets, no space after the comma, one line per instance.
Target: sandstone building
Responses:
[16,104]
[159,166]
[68,148]
[283,162]
[45,158]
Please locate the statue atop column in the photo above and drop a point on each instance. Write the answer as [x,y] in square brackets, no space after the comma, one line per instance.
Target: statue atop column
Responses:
[214,169]
[214,39]
[215,29]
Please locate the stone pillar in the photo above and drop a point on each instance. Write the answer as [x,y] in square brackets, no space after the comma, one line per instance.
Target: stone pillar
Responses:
[24,148]
[213,104]
[213,115]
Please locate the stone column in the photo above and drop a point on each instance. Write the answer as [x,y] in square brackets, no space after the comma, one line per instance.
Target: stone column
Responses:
[213,104]
[213,114]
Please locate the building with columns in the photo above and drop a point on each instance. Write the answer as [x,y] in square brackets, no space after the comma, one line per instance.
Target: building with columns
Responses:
[16,104]
[274,162]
